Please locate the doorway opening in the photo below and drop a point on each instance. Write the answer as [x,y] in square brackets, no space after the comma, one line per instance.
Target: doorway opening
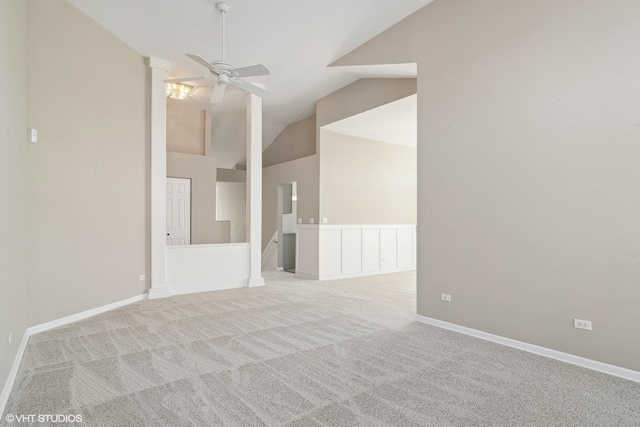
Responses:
[287,225]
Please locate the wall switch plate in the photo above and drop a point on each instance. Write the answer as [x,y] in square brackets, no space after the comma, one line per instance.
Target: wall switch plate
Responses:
[33,135]
[312,221]
[325,220]
[9,339]
[582,324]
[299,220]
[142,277]
[445,297]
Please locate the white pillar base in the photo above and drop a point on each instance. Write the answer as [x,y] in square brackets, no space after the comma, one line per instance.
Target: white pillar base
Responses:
[256,282]
[155,293]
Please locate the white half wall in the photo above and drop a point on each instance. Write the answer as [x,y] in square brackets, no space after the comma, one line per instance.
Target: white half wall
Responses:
[201,268]
[325,252]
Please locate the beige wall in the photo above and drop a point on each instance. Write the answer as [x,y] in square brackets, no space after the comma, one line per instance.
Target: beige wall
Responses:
[185,127]
[231,175]
[296,141]
[202,172]
[366,182]
[87,199]
[528,174]
[231,206]
[305,172]
[360,96]
[13,175]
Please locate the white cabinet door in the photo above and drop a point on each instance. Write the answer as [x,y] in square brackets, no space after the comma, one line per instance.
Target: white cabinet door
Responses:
[178,211]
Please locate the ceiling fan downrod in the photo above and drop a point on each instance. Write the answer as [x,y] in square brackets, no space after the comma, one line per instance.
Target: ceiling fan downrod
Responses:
[223,7]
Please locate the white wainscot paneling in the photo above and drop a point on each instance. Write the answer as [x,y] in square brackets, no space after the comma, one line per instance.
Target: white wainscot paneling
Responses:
[351,251]
[357,250]
[388,249]
[370,249]
[198,268]
[405,247]
[307,244]
[330,252]
[415,247]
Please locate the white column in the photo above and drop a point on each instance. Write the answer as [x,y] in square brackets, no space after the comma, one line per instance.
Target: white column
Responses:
[254,189]
[207,133]
[158,107]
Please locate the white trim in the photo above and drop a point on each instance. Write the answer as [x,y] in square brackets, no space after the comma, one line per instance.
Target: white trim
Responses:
[279,268]
[163,292]
[267,254]
[199,290]
[83,315]
[606,368]
[206,245]
[366,273]
[273,241]
[255,282]
[13,374]
[307,276]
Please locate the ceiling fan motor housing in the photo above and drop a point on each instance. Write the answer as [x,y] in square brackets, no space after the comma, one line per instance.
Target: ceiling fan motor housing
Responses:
[222,6]
[227,73]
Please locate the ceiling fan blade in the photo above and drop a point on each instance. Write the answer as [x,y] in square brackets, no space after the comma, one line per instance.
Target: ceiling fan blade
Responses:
[252,71]
[200,60]
[187,79]
[218,93]
[251,88]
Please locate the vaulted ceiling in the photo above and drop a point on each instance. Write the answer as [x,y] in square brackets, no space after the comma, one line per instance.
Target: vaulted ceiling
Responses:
[295,39]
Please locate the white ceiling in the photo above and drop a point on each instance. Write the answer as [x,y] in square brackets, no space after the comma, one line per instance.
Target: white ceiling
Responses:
[295,39]
[395,123]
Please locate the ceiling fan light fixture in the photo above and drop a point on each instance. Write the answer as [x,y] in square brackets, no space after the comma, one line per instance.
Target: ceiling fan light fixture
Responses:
[178,90]
[224,72]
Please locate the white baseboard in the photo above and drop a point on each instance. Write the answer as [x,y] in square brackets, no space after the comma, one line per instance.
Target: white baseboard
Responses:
[255,282]
[366,273]
[162,292]
[307,276]
[198,290]
[279,268]
[8,385]
[310,276]
[542,351]
[81,316]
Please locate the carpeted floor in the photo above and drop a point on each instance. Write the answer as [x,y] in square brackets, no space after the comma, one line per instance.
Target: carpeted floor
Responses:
[302,353]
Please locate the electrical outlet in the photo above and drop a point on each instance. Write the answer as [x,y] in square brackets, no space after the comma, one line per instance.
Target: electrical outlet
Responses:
[312,221]
[142,277]
[299,220]
[445,297]
[582,324]
[9,339]
[325,220]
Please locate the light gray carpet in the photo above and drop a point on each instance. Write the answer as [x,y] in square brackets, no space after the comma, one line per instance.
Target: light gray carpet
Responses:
[302,353]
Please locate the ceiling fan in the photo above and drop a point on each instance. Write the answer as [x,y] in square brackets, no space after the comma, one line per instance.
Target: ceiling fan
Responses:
[225,72]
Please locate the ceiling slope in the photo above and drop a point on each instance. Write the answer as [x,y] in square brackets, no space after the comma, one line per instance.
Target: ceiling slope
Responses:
[296,40]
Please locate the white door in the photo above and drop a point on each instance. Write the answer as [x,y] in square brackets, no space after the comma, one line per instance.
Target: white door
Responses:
[178,211]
